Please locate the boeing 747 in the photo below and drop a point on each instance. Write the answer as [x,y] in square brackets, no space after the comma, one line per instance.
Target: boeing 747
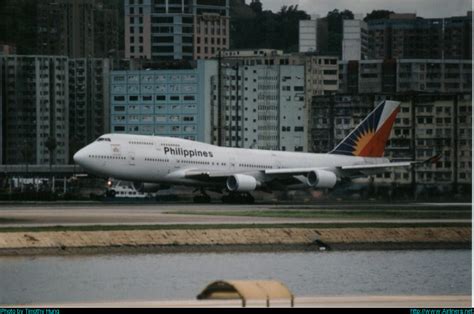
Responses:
[156,162]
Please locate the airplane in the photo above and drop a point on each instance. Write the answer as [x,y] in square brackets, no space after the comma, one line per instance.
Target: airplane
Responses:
[157,162]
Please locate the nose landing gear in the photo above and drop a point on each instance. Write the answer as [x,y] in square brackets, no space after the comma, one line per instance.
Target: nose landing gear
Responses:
[204,198]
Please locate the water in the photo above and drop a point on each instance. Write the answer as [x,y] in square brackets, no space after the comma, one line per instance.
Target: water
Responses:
[183,276]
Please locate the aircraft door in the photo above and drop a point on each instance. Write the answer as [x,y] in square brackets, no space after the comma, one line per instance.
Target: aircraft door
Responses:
[232,163]
[277,161]
[131,158]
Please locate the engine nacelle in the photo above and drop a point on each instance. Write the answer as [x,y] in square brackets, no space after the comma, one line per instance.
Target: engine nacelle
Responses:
[241,183]
[149,187]
[321,179]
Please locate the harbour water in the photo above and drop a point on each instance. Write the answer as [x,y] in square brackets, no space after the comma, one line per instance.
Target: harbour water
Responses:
[60,279]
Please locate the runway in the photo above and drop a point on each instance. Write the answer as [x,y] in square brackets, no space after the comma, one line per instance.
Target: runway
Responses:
[16,215]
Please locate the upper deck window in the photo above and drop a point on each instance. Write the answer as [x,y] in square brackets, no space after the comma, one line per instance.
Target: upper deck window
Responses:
[101,139]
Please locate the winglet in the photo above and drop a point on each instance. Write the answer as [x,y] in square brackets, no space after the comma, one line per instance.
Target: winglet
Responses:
[368,139]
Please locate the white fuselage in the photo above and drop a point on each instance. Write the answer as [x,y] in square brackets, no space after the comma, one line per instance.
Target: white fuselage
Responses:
[156,159]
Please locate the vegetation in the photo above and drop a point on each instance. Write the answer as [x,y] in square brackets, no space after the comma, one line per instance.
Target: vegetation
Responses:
[252,27]
[377,14]
[338,214]
[257,28]
[228,226]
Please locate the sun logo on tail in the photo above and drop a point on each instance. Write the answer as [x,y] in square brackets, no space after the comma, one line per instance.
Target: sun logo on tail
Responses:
[362,140]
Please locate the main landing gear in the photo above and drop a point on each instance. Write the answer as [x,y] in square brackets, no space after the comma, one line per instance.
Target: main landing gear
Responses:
[238,198]
[203,198]
[231,198]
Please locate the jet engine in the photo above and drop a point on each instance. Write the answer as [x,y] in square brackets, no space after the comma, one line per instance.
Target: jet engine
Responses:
[241,183]
[149,187]
[321,179]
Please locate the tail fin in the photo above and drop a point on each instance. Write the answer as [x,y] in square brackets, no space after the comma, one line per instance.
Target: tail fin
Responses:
[368,139]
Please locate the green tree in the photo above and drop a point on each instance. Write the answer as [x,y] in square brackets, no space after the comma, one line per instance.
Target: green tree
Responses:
[335,20]
[377,15]
[253,28]
[256,6]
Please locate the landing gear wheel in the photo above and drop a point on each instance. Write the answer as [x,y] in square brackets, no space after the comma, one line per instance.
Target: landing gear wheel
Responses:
[238,198]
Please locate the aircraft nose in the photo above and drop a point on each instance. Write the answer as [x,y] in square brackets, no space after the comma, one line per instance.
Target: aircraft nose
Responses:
[80,156]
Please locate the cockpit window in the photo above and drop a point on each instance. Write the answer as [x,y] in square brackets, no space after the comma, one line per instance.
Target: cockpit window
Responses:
[101,139]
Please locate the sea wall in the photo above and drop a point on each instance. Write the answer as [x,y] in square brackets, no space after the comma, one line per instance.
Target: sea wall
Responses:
[296,238]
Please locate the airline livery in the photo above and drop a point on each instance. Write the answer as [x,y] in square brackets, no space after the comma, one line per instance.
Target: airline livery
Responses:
[156,162]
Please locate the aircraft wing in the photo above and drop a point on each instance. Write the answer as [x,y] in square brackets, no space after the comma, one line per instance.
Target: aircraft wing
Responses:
[290,176]
[369,169]
[364,170]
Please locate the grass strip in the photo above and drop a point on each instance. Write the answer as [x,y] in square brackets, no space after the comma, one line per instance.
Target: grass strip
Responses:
[229,226]
[341,214]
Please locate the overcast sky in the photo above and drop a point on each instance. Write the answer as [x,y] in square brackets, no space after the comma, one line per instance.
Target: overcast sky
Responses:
[423,8]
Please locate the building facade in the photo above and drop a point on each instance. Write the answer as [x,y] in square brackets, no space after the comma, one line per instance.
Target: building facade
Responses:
[77,29]
[312,33]
[406,36]
[426,125]
[354,40]
[261,107]
[320,72]
[163,102]
[174,30]
[405,75]
[35,109]
[89,109]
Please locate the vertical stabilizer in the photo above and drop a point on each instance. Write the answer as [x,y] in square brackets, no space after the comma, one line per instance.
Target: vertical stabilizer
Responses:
[368,139]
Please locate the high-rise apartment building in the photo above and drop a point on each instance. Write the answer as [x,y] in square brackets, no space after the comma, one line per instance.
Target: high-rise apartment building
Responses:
[354,40]
[176,29]
[89,105]
[77,29]
[48,100]
[35,109]
[405,75]
[312,35]
[260,107]
[406,36]
[320,72]
[163,102]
